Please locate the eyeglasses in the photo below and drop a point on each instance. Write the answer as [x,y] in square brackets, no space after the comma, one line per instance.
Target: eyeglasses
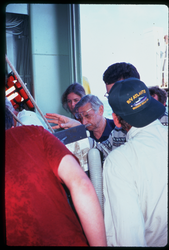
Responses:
[84,114]
[106,95]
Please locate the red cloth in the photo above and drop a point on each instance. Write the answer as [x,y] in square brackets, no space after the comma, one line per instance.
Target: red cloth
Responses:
[36,206]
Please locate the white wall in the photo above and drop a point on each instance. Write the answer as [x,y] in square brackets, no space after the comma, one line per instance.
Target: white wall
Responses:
[147,56]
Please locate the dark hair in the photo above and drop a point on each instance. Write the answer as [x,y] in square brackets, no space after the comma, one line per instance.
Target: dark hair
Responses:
[9,122]
[125,126]
[119,70]
[73,88]
[161,93]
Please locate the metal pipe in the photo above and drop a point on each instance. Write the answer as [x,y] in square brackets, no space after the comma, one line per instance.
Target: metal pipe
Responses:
[95,171]
[74,42]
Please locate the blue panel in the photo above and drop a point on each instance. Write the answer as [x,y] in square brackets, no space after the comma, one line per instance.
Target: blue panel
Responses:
[17,8]
[51,54]
[50,29]
[51,76]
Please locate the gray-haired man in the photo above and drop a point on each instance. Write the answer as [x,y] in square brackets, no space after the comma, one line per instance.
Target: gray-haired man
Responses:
[89,111]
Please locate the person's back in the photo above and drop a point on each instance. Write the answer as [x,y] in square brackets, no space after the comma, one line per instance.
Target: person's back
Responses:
[141,164]
[151,177]
[37,211]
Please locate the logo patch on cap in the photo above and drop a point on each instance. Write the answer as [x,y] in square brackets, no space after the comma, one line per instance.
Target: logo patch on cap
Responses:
[141,101]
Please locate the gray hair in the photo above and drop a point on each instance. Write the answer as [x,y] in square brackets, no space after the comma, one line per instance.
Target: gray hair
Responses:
[92,99]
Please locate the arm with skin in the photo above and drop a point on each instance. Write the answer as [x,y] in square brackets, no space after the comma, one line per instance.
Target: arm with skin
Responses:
[61,121]
[85,200]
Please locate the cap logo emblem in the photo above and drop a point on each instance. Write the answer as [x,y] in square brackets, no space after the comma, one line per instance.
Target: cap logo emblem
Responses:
[131,99]
[141,101]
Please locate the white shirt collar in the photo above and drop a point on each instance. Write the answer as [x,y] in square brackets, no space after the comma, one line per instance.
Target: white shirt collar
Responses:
[133,131]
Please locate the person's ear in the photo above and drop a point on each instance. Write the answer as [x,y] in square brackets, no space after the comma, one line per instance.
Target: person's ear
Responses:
[116,121]
[101,110]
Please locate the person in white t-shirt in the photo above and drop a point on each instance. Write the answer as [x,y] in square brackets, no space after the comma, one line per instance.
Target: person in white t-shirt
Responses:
[135,174]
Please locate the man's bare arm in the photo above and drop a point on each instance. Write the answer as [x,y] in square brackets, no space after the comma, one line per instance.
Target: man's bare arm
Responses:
[85,200]
[61,121]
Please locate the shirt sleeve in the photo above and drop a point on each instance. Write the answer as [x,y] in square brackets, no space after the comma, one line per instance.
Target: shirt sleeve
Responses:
[55,151]
[123,217]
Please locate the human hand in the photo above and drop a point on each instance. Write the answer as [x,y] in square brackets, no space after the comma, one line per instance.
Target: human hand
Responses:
[61,121]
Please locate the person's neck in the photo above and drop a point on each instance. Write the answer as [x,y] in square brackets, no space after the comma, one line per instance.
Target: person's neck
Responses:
[100,128]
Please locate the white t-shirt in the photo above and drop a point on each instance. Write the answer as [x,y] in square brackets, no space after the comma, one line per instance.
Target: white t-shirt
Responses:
[135,188]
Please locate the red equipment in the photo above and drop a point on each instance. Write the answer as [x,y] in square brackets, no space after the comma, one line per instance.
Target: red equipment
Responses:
[16,94]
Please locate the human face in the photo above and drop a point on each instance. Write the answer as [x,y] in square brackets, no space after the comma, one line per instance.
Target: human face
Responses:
[155,97]
[72,99]
[89,117]
[109,86]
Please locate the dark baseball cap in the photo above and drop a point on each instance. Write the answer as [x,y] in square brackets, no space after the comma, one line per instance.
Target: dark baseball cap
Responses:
[131,100]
